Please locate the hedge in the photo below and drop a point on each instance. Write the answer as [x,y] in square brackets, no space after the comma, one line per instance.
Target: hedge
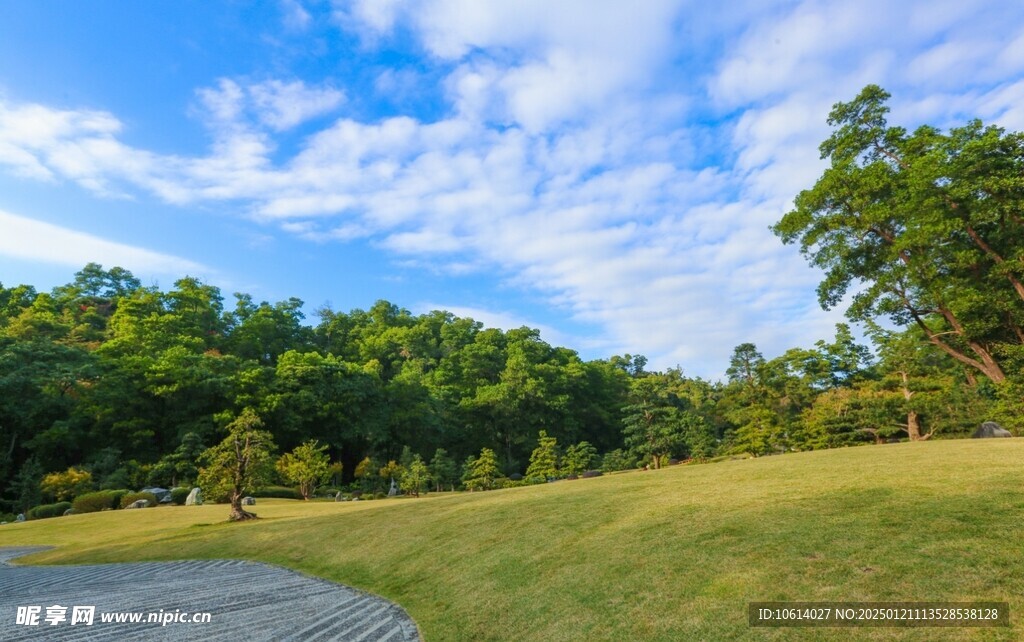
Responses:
[48,510]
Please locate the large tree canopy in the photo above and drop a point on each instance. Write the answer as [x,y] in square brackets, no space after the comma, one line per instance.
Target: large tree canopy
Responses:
[924,228]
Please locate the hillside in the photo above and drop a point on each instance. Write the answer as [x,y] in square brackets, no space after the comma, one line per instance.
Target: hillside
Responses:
[674,554]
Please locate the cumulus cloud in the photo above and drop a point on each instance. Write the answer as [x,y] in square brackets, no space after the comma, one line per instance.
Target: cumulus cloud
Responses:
[624,161]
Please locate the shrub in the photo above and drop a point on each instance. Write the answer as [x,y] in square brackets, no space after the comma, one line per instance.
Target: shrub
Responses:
[117,494]
[592,473]
[100,500]
[131,498]
[280,492]
[48,510]
[179,495]
[8,517]
[379,495]
[68,484]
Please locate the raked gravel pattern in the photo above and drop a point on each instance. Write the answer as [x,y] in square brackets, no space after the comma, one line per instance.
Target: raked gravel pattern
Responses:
[248,602]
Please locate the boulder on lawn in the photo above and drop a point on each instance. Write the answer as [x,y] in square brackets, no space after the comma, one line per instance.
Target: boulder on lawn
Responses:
[163,495]
[248,501]
[139,503]
[990,429]
[20,518]
[195,498]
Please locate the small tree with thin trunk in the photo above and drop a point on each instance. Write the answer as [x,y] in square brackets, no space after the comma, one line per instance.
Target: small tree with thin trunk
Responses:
[579,458]
[443,470]
[416,477]
[482,472]
[308,466]
[242,461]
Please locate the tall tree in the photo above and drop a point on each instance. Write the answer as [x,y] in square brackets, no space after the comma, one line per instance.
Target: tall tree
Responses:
[926,225]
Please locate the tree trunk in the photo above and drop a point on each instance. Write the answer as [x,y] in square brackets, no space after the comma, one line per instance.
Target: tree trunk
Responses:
[239,514]
[913,427]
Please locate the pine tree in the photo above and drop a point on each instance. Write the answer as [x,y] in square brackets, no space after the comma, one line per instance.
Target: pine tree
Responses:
[544,460]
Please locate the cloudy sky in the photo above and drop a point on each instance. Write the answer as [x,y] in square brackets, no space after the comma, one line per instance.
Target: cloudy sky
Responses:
[605,171]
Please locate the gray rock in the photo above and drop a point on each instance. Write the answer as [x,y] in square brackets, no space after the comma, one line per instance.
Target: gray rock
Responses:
[248,501]
[20,518]
[339,497]
[162,494]
[140,503]
[990,429]
[195,498]
[70,511]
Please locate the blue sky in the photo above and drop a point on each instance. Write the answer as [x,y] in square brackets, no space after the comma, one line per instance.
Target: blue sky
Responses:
[602,170]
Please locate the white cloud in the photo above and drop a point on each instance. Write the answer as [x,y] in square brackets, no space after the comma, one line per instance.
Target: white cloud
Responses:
[31,240]
[622,160]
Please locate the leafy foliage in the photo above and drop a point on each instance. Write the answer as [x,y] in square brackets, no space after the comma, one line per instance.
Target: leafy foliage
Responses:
[244,460]
[307,466]
[544,460]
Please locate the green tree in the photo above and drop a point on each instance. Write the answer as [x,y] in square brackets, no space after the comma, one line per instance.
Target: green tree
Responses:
[243,461]
[925,225]
[616,460]
[578,458]
[544,460]
[416,477]
[481,473]
[24,489]
[655,422]
[308,466]
[443,470]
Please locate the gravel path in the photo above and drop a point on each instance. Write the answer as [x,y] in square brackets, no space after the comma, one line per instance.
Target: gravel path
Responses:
[246,601]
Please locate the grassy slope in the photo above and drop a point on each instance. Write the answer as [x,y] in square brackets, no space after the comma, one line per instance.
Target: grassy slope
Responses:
[663,555]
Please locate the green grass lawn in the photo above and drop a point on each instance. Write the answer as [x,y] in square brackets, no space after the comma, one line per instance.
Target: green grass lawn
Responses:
[674,554]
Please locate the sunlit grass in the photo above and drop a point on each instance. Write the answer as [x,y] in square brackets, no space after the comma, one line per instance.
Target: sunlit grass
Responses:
[664,555]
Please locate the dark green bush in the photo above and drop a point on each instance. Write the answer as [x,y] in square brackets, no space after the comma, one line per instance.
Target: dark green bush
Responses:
[280,492]
[97,501]
[131,498]
[48,510]
[179,495]
[117,495]
[592,473]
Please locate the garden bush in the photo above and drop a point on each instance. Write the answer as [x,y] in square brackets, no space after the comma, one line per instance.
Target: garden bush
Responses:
[592,473]
[280,492]
[48,510]
[179,495]
[97,501]
[131,498]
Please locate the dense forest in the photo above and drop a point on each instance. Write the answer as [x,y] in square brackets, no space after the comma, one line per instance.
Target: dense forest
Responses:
[921,232]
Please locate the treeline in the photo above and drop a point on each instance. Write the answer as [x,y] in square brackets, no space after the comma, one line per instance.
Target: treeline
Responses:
[132,383]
